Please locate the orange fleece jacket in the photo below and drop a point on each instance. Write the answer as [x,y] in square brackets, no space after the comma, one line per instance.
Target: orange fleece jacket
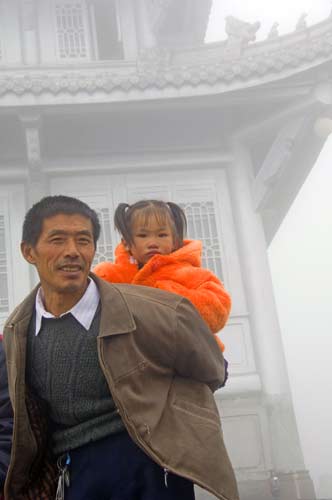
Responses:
[178,272]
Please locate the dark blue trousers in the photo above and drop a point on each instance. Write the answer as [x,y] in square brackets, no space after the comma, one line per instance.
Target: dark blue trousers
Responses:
[115,468]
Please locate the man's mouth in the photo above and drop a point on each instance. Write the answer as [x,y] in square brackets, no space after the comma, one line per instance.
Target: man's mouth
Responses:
[71,268]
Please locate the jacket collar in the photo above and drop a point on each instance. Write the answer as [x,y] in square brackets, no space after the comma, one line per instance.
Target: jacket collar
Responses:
[116,317]
[190,252]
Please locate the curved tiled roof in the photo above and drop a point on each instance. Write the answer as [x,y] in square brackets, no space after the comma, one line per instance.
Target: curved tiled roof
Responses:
[210,65]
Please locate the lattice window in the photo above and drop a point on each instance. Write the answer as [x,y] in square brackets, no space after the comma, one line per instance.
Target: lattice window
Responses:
[202,225]
[4,303]
[71,29]
[105,245]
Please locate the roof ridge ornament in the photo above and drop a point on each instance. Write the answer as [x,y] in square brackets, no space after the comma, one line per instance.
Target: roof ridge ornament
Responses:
[240,33]
[274,32]
[302,23]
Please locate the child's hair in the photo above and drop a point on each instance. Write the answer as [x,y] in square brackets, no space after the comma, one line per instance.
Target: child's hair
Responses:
[125,215]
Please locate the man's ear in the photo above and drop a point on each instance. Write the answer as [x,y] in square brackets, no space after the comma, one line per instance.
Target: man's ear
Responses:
[28,252]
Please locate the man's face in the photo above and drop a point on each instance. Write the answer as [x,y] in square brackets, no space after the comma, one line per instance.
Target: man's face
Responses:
[63,257]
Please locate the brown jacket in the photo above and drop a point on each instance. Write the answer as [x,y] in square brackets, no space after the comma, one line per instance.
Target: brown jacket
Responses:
[161,377]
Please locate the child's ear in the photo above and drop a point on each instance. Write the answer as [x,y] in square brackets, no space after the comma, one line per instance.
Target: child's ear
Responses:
[125,244]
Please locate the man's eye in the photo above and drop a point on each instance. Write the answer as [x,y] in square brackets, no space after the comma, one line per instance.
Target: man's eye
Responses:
[57,240]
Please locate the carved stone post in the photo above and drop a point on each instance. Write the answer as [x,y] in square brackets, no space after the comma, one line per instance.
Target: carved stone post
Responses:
[31,123]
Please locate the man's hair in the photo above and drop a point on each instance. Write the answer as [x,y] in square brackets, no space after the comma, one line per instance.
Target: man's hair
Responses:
[51,206]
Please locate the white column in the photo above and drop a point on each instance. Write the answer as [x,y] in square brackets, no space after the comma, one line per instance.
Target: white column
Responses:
[259,290]
[268,348]
[29,31]
[127,17]
[146,38]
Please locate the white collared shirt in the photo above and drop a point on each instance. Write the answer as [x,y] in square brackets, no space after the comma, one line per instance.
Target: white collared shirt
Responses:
[83,311]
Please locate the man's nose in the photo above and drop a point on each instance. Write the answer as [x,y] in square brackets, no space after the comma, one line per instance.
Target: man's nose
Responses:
[71,248]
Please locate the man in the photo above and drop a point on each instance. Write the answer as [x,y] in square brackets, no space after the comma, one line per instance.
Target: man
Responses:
[113,384]
[6,420]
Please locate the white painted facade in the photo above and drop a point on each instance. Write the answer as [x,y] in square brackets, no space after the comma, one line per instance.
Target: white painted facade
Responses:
[226,130]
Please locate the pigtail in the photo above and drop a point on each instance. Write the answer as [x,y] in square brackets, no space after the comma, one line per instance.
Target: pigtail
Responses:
[121,221]
[180,221]
[124,213]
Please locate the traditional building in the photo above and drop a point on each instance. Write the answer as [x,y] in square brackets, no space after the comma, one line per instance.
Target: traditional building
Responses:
[112,101]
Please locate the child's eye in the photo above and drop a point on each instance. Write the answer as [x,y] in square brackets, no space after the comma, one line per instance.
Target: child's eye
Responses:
[163,235]
[141,235]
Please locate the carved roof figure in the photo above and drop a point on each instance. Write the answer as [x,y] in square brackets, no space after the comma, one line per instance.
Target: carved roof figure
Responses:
[240,33]
[241,30]
[274,32]
[302,23]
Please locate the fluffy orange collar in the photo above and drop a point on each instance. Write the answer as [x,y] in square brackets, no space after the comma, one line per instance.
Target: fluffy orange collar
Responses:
[190,252]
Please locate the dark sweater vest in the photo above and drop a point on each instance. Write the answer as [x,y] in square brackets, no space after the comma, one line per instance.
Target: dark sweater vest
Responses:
[63,370]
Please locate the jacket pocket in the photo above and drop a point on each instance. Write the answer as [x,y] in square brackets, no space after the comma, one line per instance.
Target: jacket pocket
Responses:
[208,415]
[140,367]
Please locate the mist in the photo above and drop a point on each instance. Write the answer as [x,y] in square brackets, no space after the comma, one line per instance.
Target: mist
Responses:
[300,259]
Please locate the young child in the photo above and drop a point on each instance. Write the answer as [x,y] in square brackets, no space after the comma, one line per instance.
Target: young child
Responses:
[153,253]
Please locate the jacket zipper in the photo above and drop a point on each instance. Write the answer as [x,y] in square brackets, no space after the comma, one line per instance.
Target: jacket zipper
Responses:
[166,477]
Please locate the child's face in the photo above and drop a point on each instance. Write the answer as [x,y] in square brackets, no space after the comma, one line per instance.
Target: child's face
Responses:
[151,238]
